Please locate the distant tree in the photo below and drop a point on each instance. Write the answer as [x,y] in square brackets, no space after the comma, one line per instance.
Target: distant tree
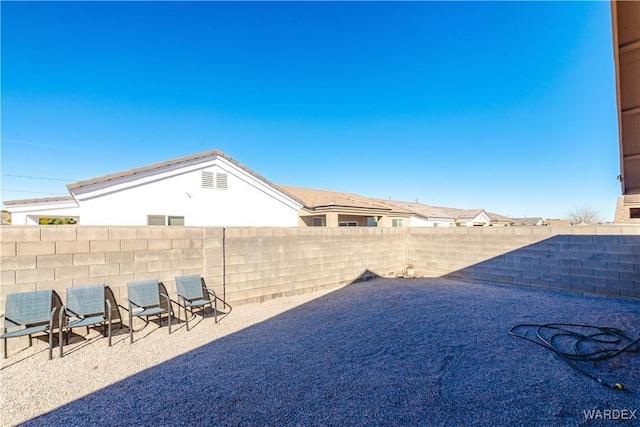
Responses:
[585,215]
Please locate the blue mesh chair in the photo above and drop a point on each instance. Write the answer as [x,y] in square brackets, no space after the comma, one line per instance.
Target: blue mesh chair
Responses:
[144,301]
[192,293]
[88,306]
[29,313]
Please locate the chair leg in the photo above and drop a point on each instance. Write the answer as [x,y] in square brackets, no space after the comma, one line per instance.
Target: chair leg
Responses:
[60,333]
[50,343]
[130,327]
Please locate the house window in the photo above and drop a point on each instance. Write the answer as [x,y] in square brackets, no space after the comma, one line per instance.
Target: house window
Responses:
[372,221]
[220,182]
[634,213]
[165,220]
[155,220]
[319,221]
[175,220]
[348,224]
[397,222]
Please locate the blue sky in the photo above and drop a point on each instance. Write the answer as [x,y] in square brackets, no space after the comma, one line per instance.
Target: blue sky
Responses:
[506,106]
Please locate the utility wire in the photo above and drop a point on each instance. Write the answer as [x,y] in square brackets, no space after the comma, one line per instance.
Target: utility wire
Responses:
[39,177]
[60,147]
[38,167]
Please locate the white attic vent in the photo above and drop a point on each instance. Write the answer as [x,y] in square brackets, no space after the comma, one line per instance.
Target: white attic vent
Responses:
[221,181]
[207,179]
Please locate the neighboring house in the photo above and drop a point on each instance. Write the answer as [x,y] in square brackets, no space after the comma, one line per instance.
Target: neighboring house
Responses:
[534,221]
[424,215]
[436,216]
[212,189]
[322,208]
[628,209]
[558,222]
[29,211]
[471,217]
[500,220]
[206,189]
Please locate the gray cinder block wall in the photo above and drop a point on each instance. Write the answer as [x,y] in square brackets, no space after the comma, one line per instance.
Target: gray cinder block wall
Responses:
[255,264]
[242,264]
[602,260]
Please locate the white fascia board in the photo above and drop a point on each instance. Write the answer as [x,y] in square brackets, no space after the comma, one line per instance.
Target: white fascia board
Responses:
[482,217]
[43,206]
[259,184]
[119,184]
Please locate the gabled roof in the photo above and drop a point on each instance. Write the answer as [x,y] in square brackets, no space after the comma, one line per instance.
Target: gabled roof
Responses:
[325,200]
[458,215]
[527,221]
[419,209]
[175,162]
[150,168]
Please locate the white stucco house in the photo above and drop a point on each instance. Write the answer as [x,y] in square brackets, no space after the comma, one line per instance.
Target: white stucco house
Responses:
[206,189]
[437,216]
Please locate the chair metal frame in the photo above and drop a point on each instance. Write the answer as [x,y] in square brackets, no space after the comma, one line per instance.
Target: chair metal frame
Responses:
[32,312]
[192,293]
[144,297]
[88,306]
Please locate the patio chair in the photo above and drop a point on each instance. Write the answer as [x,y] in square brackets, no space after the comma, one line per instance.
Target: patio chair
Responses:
[193,293]
[88,306]
[33,313]
[144,301]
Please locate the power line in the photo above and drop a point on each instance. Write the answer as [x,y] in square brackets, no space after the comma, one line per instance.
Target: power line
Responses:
[40,168]
[60,147]
[39,177]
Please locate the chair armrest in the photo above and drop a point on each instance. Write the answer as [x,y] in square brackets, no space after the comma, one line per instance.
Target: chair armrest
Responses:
[131,304]
[211,292]
[168,300]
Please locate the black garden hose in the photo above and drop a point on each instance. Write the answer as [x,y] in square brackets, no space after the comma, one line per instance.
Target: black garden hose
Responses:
[588,343]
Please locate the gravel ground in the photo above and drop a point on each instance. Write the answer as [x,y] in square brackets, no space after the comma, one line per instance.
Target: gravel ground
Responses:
[384,352]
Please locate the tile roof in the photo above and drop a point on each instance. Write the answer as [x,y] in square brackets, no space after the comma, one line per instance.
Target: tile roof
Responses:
[39,200]
[526,221]
[319,199]
[428,211]
[173,162]
[425,211]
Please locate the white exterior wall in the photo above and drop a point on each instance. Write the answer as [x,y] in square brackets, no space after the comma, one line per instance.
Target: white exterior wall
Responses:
[481,218]
[29,215]
[247,201]
[415,221]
